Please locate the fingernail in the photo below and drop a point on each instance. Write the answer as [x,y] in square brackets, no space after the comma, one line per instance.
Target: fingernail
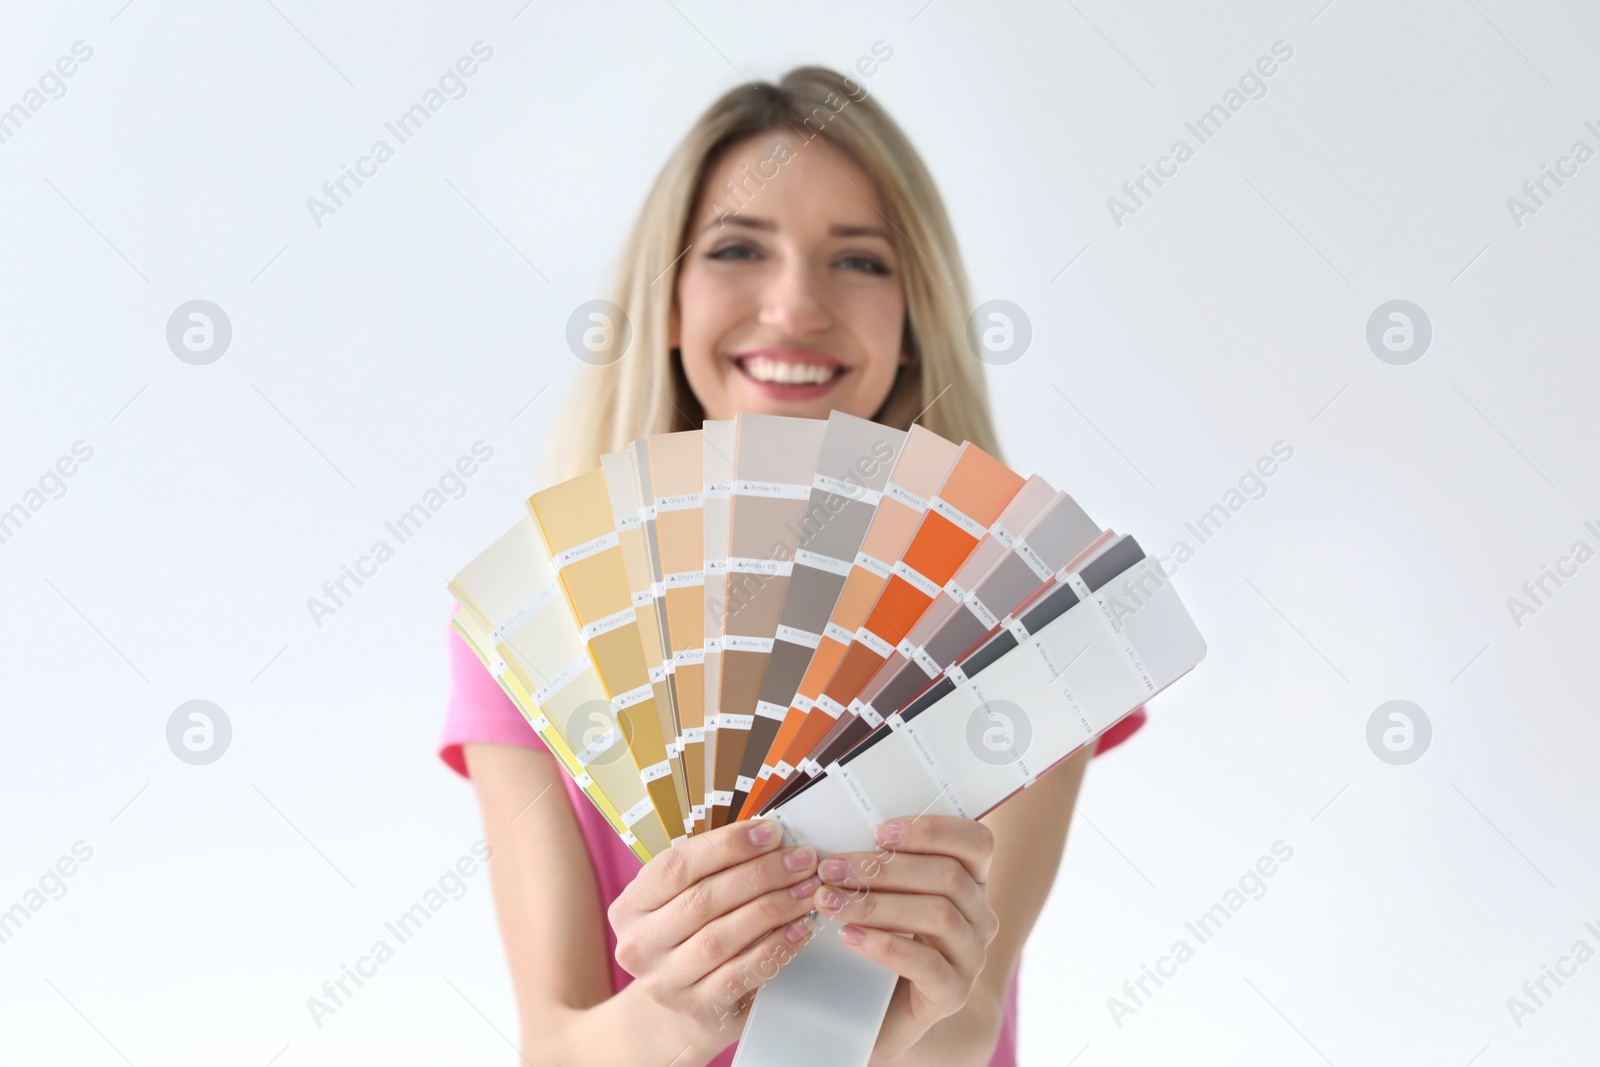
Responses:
[891,833]
[853,934]
[764,833]
[834,869]
[805,888]
[798,930]
[800,859]
[833,900]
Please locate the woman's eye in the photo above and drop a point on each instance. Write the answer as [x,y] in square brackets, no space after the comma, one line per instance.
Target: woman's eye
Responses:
[866,263]
[732,252]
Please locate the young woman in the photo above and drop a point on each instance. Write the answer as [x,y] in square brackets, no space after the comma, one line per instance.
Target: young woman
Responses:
[792,258]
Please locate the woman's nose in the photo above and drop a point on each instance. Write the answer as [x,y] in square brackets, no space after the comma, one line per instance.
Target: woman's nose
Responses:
[793,301]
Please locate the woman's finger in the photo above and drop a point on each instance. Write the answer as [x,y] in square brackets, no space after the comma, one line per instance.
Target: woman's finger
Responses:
[932,918]
[924,966]
[724,892]
[687,862]
[727,937]
[909,872]
[723,990]
[968,840]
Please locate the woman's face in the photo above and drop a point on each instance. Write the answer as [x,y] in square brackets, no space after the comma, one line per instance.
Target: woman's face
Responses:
[789,299]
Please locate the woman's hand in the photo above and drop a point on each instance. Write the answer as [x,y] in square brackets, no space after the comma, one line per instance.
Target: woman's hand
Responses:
[710,920]
[928,880]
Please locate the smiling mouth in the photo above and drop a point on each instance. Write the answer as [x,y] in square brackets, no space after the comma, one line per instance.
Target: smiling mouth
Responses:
[790,373]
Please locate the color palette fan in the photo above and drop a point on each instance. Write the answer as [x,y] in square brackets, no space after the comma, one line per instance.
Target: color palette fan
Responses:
[828,623]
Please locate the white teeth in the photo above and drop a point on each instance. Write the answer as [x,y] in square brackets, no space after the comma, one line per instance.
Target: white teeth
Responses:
[785,373]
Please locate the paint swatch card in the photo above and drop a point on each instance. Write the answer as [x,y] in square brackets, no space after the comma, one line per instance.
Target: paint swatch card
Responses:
[924,462]
[1048,545]
[972,497]
[631,508]
[581,533]
[1106,556]
[1080,669]
[1001,574]
[514,616]
[717,488]
[903,662]
[1116,636]
[1108,560]
[852,470]
[775,459]
[676,464]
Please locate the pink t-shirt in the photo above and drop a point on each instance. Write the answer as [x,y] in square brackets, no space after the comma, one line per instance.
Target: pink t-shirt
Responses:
[479,710]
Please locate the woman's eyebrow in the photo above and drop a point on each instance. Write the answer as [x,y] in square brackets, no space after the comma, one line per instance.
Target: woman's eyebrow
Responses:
[838,230]
[767,225]
[740,220]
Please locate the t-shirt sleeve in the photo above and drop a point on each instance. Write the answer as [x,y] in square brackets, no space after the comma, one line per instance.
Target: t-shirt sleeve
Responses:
[478,709]
[1123,730]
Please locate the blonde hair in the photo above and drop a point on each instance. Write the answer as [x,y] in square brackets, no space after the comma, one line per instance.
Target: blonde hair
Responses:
[645,390]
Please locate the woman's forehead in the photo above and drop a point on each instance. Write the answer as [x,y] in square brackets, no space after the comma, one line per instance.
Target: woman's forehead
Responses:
[780,177]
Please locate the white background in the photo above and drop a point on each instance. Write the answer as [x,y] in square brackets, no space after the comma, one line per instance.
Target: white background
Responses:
[369,353]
